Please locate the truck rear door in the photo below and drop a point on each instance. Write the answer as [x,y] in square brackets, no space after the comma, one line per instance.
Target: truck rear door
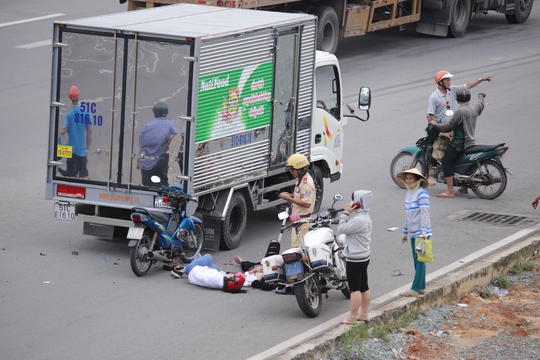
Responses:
[120,76]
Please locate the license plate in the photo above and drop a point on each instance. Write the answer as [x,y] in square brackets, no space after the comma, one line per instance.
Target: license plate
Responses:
[135,233]
[504,162]
[293,269]
[63,211]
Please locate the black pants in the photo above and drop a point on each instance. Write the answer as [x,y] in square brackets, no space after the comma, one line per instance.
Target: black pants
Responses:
[161,169]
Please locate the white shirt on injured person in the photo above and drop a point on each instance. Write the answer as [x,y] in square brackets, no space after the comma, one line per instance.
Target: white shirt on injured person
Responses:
[206,276]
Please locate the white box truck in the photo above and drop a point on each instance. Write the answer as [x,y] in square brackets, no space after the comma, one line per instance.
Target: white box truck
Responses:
[244,89]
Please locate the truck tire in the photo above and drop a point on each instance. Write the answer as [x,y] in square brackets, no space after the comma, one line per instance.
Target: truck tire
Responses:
[234,225]
[319,188]
[327,29]
[460,15]
[521,12]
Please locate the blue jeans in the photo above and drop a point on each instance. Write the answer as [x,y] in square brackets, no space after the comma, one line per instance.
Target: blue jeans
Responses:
[419,282]
[205,260]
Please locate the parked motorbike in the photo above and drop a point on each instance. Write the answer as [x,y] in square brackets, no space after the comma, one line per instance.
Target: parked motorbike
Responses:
[164,237]
[480,168]
[315,266]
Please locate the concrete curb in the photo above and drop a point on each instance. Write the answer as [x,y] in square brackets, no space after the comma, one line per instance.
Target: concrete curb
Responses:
[445,286]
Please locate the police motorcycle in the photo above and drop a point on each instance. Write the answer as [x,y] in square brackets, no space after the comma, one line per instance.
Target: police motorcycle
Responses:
[480,168]
[165,237]
[315,266]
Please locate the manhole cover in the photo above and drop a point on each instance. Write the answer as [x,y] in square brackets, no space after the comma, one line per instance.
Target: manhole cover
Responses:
[491,218]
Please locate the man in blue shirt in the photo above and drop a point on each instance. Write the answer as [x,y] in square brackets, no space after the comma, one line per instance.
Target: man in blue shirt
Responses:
[79,131]
[154,141]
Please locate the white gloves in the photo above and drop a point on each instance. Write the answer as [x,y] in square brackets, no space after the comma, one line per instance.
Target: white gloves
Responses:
[404,238]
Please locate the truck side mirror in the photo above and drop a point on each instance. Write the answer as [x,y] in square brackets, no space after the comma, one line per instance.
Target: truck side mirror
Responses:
[364,98]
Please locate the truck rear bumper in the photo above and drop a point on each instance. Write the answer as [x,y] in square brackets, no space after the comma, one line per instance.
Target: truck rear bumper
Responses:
[102,226]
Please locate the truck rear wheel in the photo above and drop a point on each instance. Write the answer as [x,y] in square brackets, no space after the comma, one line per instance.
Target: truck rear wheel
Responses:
[234,225]
[327,29]
[459,18]
[521,12]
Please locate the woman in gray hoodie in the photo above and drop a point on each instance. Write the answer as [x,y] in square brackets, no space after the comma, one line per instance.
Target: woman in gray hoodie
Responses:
[355,223]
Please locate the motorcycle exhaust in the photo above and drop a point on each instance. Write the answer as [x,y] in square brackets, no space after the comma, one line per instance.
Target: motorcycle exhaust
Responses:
[156,256]
[326,284]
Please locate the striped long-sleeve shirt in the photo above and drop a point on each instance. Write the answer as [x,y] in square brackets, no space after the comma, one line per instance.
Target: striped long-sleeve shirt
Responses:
[417,213]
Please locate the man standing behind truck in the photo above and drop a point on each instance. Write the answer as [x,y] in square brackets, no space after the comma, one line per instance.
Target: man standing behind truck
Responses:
[154,141]
[79,131]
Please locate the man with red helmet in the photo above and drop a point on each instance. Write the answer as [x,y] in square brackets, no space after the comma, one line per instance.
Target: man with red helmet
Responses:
[79,132]
[202,272]
[443,99]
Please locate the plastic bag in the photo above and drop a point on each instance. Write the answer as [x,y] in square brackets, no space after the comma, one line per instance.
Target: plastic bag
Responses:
[424,249]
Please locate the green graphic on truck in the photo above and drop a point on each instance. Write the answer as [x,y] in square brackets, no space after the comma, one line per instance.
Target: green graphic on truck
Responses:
[234,101]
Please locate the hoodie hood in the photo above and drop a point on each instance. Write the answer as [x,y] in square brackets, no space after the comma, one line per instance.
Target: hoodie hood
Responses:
[365,198]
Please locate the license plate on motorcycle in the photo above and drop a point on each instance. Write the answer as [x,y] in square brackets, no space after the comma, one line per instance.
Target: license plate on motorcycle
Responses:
[504,162]
[135,233]
[64,211]
[293,269]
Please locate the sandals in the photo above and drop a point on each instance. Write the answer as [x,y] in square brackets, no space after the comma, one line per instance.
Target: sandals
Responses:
[410,293]
[178,272]
[347,322]
[445,195]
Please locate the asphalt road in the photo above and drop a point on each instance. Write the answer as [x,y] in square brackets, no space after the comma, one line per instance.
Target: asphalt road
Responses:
[64,295]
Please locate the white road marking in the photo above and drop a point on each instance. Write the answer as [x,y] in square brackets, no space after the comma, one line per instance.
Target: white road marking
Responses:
[35,45]
[30,20]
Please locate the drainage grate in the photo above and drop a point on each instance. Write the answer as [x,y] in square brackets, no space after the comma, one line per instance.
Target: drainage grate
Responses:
[496,218]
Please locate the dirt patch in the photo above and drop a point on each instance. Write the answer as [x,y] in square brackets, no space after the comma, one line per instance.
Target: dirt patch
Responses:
[486,328]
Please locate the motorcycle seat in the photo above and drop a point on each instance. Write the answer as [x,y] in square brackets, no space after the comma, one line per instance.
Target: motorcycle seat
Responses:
[481,148]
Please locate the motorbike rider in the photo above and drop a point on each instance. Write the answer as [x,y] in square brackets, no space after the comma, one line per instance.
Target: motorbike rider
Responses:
[304,197]
[463,124]
[444,98]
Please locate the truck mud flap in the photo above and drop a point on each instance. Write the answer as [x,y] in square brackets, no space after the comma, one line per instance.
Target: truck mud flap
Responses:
[212,232]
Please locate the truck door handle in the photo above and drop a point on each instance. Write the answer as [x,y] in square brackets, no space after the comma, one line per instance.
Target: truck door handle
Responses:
[318,138]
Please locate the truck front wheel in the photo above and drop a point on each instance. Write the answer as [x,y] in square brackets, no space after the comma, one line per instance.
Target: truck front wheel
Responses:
[521,12]
[327,29]
[234,225]
[459,18]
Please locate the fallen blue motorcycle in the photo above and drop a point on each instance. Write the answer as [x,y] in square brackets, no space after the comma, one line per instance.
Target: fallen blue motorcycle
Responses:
[165,237]
[480,168]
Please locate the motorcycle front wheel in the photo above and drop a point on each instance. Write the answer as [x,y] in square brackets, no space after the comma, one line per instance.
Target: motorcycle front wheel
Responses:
[140,265]
[344,285]
[308,297]
[405,161]
[193,246]
[493,180]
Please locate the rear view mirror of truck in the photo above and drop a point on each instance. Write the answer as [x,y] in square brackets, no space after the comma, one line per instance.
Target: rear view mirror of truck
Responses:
[364,98]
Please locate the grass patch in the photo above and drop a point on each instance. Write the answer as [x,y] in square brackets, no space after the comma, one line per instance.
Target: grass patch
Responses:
[356,336]
[526,265]
[487,294]
[502,282]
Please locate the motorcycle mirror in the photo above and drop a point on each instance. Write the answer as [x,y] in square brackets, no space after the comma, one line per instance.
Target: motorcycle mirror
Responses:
[338,197]
[283,215]
[155,179]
